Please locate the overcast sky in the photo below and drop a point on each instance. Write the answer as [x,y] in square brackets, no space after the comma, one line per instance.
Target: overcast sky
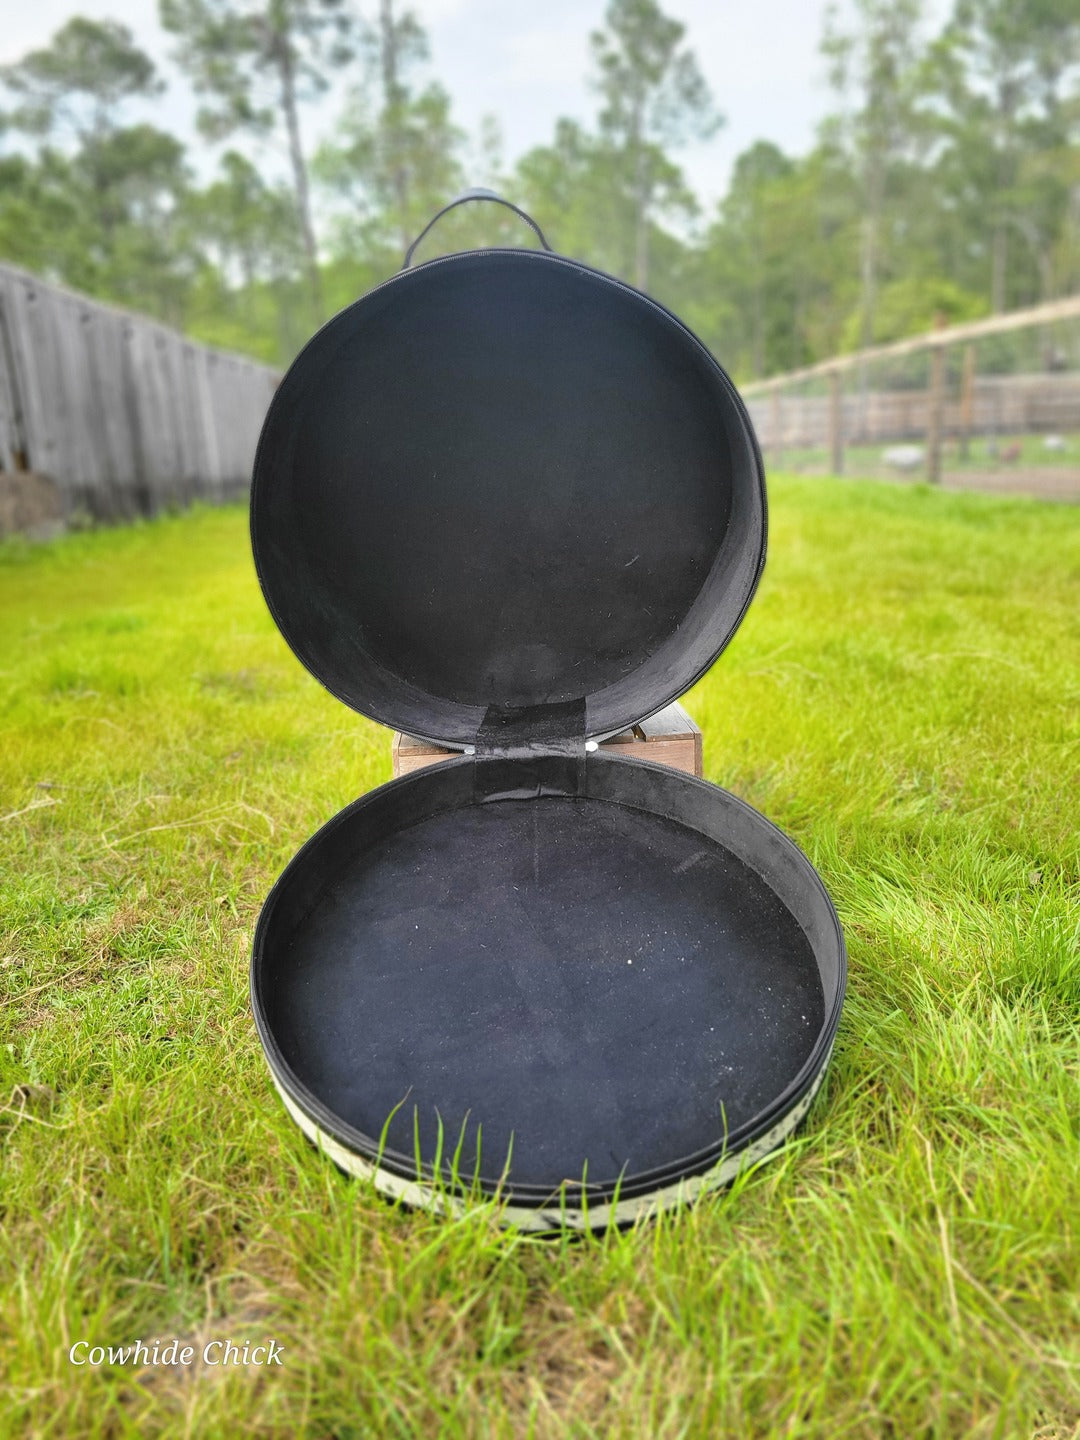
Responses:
[528,64]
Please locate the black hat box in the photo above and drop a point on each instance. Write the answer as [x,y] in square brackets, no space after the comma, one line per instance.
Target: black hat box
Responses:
[508,504]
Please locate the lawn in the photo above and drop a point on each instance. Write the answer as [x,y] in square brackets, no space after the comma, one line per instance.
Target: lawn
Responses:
[902,699]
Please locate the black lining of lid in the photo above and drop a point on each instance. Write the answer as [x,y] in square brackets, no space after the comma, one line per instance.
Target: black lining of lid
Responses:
[722,596]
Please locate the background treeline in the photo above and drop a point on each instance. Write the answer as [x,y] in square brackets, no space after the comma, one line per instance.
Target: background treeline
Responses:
[944,184]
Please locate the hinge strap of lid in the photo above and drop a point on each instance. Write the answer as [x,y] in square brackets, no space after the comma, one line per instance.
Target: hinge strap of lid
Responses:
[524,752]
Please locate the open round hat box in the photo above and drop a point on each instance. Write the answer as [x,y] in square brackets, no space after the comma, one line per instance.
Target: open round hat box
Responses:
[511,505]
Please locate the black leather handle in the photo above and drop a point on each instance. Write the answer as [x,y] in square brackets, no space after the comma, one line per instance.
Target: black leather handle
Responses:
[477,194]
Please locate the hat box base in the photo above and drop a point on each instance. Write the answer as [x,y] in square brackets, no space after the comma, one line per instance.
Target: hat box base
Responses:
[598,1003]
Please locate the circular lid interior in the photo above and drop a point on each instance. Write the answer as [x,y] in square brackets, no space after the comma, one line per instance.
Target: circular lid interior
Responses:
[504,479]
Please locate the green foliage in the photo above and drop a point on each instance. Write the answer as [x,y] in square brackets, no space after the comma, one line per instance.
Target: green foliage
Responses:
[565,184]
[944,181]
[775,276]
[238,55]
[255,67]
[604,194]
[81,81]
[650,84]
[879,60]
[654,97]
[40,216]
[912,306]
[98,206]
[898,699]
[393,161]
[244,225]
[1004,72]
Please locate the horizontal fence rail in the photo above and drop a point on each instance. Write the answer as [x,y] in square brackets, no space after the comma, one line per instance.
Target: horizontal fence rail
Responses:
[995,380]
[123,414]
[1037,315]
[1002,404]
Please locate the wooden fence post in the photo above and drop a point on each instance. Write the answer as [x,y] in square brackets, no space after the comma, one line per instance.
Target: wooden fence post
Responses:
[777,428]
[934,419]
[20,459]
[836,422]
[967,400]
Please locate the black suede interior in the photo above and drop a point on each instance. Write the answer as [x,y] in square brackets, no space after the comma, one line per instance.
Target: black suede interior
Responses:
[607,986]
[505,479]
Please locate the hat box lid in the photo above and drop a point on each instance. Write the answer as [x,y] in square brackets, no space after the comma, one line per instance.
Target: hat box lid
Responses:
[505,481]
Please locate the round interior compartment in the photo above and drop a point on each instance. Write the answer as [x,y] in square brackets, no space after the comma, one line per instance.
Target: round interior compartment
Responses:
[505,479]
[591,986]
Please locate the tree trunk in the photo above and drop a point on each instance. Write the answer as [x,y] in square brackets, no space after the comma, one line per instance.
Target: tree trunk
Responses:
[1007,100]
[998,261]
[641,194]
[967,400]
[247,266]
[1046,274]
[641,221]
[287,73]
[868,278]
[759,329]
[836,422]
[936,415]
[392,107]
[875,196]
[874,163]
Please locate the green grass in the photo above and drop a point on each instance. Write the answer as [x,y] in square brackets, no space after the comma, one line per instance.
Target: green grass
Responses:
[902,699]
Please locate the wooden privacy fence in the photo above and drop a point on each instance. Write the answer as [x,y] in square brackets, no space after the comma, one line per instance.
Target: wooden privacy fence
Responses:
[122,413]
[847,410]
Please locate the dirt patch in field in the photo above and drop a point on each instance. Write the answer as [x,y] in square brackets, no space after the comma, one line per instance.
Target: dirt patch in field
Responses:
[1045,482]
[30,504]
